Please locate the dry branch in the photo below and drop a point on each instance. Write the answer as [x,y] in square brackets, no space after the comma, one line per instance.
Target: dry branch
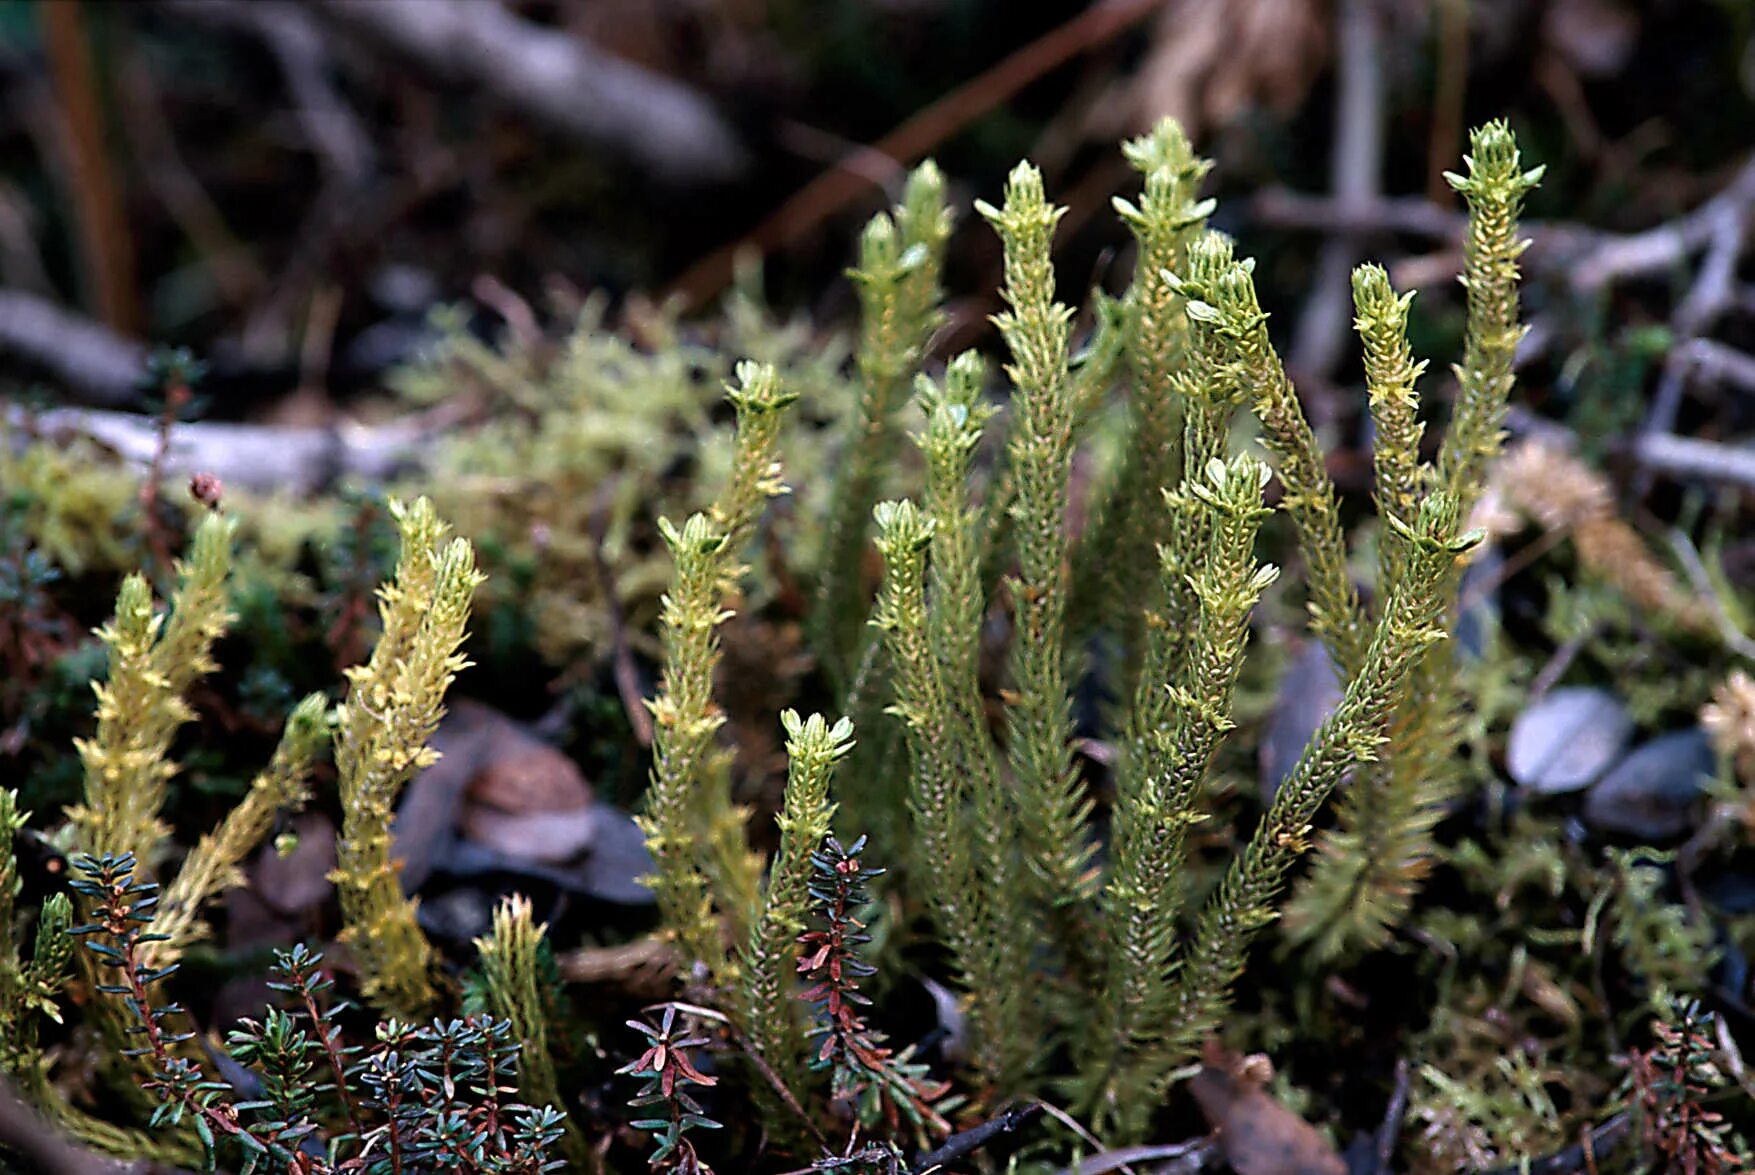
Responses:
[563,82]
[806,209]
[1685,457]
[330,125]
[97,364]
[256,457]
[1589,258]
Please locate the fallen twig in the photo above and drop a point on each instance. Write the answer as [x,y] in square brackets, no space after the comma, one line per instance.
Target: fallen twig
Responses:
[1356,170]
[1581,1156]
[333,130]
[1391,1128]
[92,361]
[801,213]
[1695,568]
[1660,248]
[1193,1155]
[256,457]
[1588,258]
[969,1141]
[1686,457]
[563,82]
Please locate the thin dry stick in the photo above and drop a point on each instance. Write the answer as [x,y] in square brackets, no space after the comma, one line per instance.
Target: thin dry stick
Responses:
[627,678]
[1356,169]
[811,205]
[97,200]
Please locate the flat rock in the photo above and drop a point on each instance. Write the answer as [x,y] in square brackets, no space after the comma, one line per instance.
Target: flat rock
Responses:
[1566,739]
[1652,793]
[1308,694]
[552,837]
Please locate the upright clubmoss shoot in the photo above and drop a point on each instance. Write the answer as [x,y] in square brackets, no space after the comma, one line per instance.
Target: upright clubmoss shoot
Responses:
[951,790]
[695,833]
[1052,807]
[1400,480]
[511,970]
[1247,898]
[998,975]
[771,1022]
[213,865]
[1373,862]
[1131,517]
[1494,187]
[1206,387]
[394,704]
[901,254]
[152,662]
[1142,897]
[1225,304]
[938,789]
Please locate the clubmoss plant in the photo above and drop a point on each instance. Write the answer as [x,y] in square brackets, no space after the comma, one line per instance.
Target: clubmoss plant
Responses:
[695,833]
[1370,866]
[900,257]
[774,1027]
[1142,897]
[153,661]
[1051,805]
[1131,516]
[393,705]
[932,622]
[512,976]
[1002,852]
[212,866]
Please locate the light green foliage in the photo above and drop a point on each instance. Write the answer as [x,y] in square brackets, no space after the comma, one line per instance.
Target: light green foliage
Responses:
[153,660]
[1494,187]
[1131,517]
[685,723]
[511,973]
[394,703]
[1142,896]
[212,866]
[900,255]
[1672,952]
[1370,866]
[70,501]
[574,446]
[1051,805]
[693,830]
[1505,1112]
[773,1023]
[1223,306]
